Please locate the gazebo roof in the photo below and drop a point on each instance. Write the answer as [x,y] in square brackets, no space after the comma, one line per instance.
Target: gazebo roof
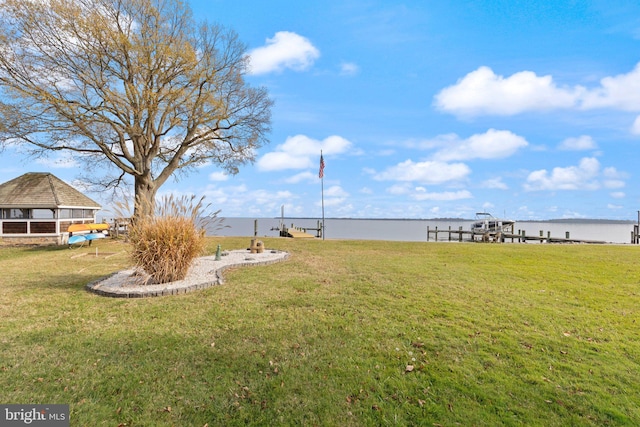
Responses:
[42,190]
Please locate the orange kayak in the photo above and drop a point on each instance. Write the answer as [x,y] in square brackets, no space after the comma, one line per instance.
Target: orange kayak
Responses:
[74,228]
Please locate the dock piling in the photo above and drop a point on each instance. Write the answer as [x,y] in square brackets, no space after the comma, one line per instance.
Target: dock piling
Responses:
[521,236]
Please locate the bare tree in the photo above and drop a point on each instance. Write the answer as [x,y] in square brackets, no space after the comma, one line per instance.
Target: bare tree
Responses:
[135,85]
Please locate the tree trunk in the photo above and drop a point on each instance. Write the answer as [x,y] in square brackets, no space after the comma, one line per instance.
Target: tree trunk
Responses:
[145,196]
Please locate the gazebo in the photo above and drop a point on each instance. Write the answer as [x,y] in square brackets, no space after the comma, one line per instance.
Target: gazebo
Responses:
[37,208]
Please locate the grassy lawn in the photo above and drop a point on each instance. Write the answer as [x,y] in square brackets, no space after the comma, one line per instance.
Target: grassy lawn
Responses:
[344,333]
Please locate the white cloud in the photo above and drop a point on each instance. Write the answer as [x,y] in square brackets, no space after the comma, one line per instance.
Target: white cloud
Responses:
[80,185]
[422,194]
[303,145]
[618,195]
[302,176]
[635,127]
[335,191]
[301,152]
[583,142]
[279,160]
[613,179]
[585,176]
[428,172]
[488,206]
[493,144]
[64,161]
[349,69]
[569,178]
[335,202]
[218,176]
[619,92]
[286,50]
[334,196]
[483,92]
[612,206]
[399,189]
[572,214]
[613,184]
[239,200]
[495,183]
[265,197]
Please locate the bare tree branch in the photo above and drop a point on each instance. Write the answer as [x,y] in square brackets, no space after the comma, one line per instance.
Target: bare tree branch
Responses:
[137,82]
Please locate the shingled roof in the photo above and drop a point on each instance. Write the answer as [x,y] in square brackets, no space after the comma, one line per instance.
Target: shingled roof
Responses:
[42,190]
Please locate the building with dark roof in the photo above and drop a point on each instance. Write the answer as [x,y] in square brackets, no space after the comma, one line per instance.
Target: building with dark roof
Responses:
[39,207]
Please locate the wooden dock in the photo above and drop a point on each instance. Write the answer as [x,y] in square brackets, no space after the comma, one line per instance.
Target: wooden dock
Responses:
[461,235]
[300,232]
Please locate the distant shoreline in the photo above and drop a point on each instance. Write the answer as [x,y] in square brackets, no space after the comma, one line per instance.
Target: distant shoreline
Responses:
[557,220]
[414,229]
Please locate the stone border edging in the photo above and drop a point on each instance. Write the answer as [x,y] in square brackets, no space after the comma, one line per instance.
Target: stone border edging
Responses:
[95,286]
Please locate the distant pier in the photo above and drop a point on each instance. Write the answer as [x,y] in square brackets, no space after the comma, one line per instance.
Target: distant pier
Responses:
[461,235]
[457,233]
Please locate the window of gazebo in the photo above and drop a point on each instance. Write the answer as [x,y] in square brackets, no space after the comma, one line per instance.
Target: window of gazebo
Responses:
[34,220]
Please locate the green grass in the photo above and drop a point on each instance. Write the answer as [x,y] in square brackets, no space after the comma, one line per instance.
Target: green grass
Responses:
[535,335]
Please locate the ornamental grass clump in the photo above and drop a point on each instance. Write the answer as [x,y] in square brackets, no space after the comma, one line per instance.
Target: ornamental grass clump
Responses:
[165,245]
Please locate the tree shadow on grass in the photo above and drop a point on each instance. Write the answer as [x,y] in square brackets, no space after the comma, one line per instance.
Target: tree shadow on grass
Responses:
[56,274]
[74,281]
[59,267]
[60,281]
[44,248]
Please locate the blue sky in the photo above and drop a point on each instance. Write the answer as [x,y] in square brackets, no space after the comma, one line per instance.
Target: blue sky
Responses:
[427,109]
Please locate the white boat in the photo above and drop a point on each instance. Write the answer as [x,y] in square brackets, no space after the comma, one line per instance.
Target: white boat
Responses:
[487,223]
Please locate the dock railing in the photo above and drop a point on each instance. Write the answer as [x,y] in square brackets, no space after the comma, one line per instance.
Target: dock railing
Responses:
[501,237]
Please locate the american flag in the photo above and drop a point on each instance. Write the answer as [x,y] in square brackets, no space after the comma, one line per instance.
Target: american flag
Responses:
[321,173]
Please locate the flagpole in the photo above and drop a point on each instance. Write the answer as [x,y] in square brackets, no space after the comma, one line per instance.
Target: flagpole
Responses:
[322,186]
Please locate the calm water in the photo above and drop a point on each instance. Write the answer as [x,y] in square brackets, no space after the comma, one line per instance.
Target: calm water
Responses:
[416,230]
